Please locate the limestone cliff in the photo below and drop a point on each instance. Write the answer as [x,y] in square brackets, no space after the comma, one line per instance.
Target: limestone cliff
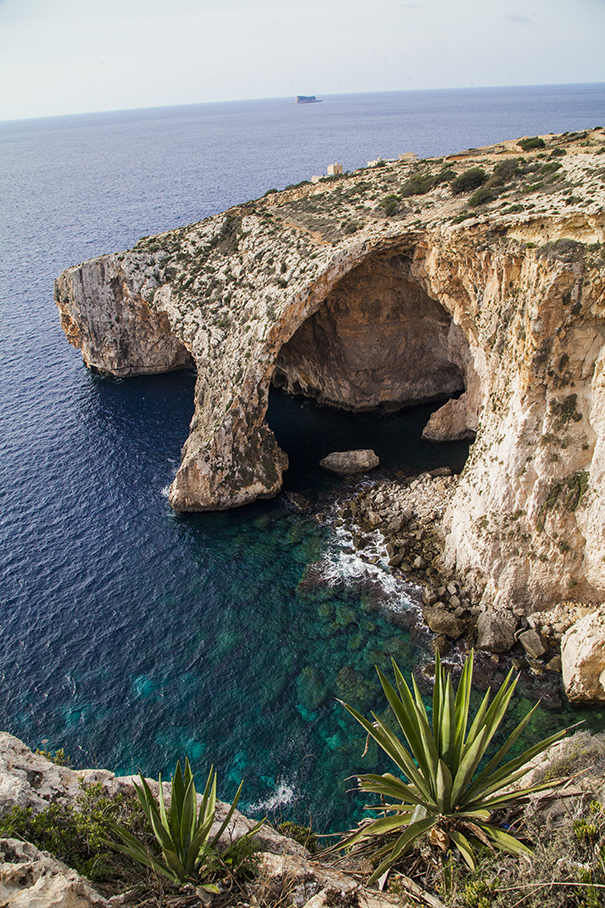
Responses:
[483,273]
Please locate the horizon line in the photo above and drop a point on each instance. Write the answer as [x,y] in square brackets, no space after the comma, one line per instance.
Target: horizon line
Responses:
[150,107]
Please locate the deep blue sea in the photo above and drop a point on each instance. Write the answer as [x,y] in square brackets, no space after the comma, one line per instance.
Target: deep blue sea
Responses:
[128,635]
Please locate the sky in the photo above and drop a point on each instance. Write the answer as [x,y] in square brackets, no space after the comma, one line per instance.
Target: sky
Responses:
[77,56]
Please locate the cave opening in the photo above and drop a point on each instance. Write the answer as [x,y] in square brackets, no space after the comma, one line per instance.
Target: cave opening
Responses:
[377,340]
[382,349]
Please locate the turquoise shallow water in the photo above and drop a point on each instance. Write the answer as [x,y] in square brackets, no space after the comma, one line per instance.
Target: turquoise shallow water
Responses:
[129,635]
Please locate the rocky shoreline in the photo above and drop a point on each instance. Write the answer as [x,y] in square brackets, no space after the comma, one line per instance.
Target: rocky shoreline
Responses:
[410,514]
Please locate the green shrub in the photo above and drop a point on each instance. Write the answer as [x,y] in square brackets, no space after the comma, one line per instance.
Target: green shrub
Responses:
[482,196]
[505,171]
[531,143]
[445,176]
[58,757]
[301,834]
[389,205]
[77,836]
[417,184]
[551,167]
[442,794]
[567,493]
[469,180]
[563,250]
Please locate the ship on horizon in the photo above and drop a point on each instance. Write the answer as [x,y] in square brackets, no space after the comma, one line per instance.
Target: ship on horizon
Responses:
[307,99]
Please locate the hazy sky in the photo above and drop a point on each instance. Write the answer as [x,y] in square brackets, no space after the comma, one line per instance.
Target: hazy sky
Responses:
[70,56]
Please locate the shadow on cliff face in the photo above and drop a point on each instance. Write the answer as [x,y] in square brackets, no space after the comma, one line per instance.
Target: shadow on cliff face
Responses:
[363,369]
[378,340]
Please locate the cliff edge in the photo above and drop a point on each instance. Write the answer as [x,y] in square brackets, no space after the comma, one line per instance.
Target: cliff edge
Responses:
[479,277]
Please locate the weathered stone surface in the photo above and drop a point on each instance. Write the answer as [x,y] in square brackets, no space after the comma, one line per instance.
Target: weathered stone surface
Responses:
[532,643]
[452,422]
[28,779]
[33,879]
[106,313]
[310,882]
[506,307]
[496,631]
[378,339]
[583,659]
[441,621]
[349,462]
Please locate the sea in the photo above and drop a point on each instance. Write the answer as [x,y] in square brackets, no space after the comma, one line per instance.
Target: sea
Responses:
[131,636]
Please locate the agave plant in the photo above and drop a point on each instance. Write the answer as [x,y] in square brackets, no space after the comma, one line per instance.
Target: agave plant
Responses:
[181,831]
[442,794]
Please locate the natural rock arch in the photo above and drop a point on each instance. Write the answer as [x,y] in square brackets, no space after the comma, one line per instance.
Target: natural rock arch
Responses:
[515,301]
[369,331]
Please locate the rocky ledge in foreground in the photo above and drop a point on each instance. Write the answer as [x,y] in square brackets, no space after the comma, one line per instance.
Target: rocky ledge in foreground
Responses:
[29,877]
[479,277]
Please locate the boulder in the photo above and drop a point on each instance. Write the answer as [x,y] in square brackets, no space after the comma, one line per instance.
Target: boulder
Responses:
[346,462]
[496,631]
[33,879]
[583,659]
[441,621]
[532,643]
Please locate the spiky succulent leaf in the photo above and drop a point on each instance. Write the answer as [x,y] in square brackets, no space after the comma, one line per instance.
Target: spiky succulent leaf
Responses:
[134,849]
[464,847]
[462,706]
[181,832]
[508,774]
[227,820]
[504,841]
[385,738]
[404,842]
[444,788]
[441,766]
[390,786]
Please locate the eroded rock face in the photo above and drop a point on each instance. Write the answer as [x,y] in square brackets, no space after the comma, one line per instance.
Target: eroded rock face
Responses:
[451,422]
[30,878]
[28,779]
[377,340]
[583,659]
[106,312]
[507,307]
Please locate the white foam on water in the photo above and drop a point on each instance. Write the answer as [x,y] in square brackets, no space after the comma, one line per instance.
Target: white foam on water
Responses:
[342,561]
[284,794]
